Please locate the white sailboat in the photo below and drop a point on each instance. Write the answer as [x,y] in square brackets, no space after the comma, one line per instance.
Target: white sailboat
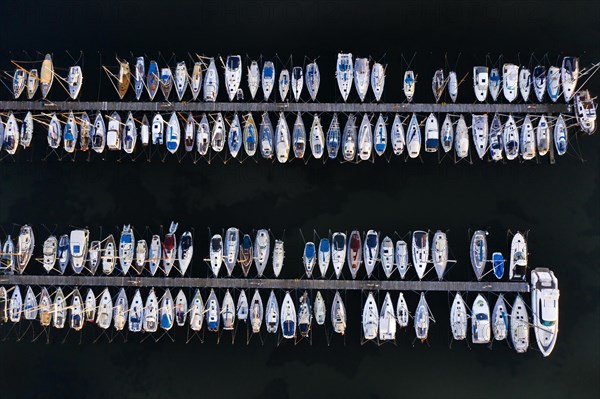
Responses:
[370,318]
[387,320]
[458,318]
[233,75]
[344,73]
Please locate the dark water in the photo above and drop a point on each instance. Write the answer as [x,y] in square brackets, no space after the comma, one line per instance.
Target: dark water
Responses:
[559,203]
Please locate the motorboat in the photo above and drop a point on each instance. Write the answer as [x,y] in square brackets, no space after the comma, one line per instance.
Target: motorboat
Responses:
[216,254]
[500,319]
[278,256]
[560,135]
[185,251]
[152,79]
[78,247]
[297,82]
[447,134]
[498,264]
[519,325]
[211,82]
[510,139]
[231,249]
[585,111]
[268,79]
[553,83]
[309,258]
[324,256]
[120,310]
[365,139]
[510,81]
[154,254]
[349,138]
[480,134]
[387,256]
[420,251]
[495,83]
[409,85]
[525,83]
[250,136]
[496,139]
[256,311]
[74,81]
[313,79]
[432,134]
[166,313]
[284,84]
[49,251]
[113,133]
[452,86]
[481,82]
[218,134]
[354,253]
[401,257]
[478,252]
[299,137]
[387,320]
[439,253]
[288,317]
[282,139]
[438,84]
[63,254]
[527,139]
[242,307]
[181,309]
[370,316]
[569,74]
[344,73]
[169,249]
[320,310]
[377,80]
[150,320]
[458,318]
[196,311]
[338,314]
[380,136]
[422,319]
[141,256]
[539,82]
[480,321]
[126,248]
[333,138]
[518,258]
[371,251]
[246,254]
[362,75]
[544,308]
[413,137]
[317,138]
[173,134]
[233,75]
[397,136]
[304,315]
[272,314]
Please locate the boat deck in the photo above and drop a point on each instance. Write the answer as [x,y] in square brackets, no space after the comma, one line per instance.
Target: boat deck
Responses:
[141,106]
[266,283]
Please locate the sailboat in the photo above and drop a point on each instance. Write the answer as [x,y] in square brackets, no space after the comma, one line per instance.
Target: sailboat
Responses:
[256,312]
[409,85]
[211,82]
[272,314]
[317,138]
[371,251]
[539,82]
[167,311]
[510,138]
[278,256]
[349,139]
[401,257]
[387,256]
[253,77]
[333,138]
[231,249]
[250,136]
[89,305]
[108,255]
[181,308]
[203,136]
[265,136]
[46,75]
[126,248]
[313,79]
[297,82]
[387,319]
[498,264]
[553,83]
[299,137]
[338,252]
[361,77]
[59,309]
[196,311]
[422,319]
[105,310]
[63,253]
[49,251]
[519,325]
[542,136]
[268,79]
[78,247]
[282,139]
[123,79]
[141,256]
[527,139]
[495,83]
[166,82]
[113,134]
[420,251]
[354,253]
[284,84]
[33,82]
[380,136]
[338,314]
[479,252]
[138,77]
[365,139]
[304,315]
[152,80]
[453,86]
[181,79]
[30,306]
[19,82]
[320,309]
[500,319]
[496,139]
[150,319]
[15,306]
[189,133]
[120,310]
[560,135]
[413,137]
[169,248]
[480,82]
[510,79]
[344,73]
[480,134]
[525,83]
[75,81]
[216,254]
[173,134]
[447,134]
[154,254]
[378,80]
[437,84]
[439,253]
[129,135]
[218,134]
[569,74]
[288,317]
[397,136]
[324,256]
[242,307]
[309,258]
[246,254]
[25,245]
[136,313]
[458,318]
[185,251]
[370,318]
[402,313]
[233,75]
[432,134]
[54,132]
[196,80]
[86,130]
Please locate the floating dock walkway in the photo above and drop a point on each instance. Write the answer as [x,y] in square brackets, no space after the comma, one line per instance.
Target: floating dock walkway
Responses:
[250,283]
[65,106]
